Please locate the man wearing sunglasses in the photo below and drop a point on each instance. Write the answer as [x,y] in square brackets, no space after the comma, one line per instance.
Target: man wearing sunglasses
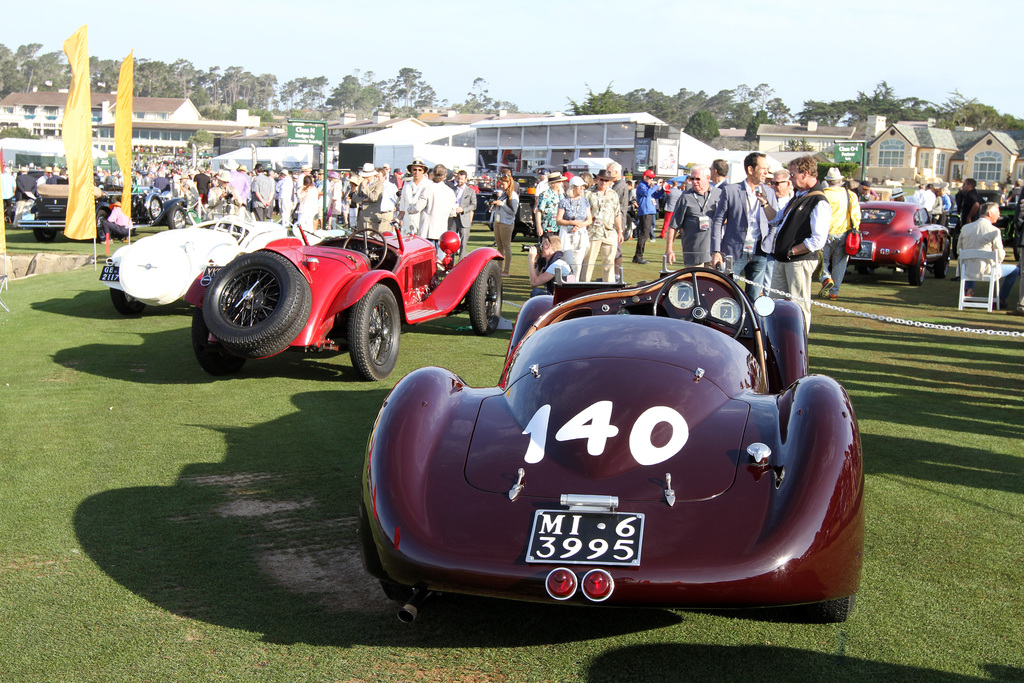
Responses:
[692,219]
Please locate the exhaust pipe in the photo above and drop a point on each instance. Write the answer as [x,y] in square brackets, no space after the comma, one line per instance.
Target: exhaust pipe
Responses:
[411,609]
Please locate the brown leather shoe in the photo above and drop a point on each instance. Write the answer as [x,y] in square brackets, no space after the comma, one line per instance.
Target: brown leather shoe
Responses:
[1016,311]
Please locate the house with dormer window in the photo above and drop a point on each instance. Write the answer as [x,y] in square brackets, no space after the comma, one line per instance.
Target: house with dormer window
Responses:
[920,152]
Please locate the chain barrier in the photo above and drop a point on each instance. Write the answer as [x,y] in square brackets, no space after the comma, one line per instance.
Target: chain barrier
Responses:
[890,319]
[874,316]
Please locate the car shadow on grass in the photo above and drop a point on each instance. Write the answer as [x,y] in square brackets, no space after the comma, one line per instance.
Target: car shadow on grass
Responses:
[96,305]
[166,357]
[695,662]
[266,541]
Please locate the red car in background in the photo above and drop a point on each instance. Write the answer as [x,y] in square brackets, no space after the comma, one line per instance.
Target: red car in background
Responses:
[901,235]
[357,290]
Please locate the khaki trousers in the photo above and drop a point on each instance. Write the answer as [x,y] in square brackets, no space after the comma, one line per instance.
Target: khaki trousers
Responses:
[795,279]
[503,238]
[605,249]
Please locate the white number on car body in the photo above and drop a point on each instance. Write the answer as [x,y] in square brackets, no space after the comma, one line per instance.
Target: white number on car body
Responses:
[594,423]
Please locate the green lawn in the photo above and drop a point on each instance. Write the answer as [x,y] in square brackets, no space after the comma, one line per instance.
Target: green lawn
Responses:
[157,524]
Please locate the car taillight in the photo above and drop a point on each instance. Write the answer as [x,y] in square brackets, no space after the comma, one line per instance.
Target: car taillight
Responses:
[598,585]
[560,583]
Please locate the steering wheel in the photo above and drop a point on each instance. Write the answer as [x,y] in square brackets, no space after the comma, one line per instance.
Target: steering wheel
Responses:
[699,311]
[374,252]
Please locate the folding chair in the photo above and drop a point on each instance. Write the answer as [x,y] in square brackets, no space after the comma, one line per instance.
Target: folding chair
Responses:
[977,255]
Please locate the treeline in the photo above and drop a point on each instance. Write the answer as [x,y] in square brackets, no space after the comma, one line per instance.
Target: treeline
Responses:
[217,91]
[701,114]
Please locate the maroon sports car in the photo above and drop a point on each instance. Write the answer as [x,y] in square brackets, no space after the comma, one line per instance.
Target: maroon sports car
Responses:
[356,290]
[901,235]
[652,445]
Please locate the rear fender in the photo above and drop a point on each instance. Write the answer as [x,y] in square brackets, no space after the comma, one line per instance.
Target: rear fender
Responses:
[416,453]
[197,290]
[819,503]
[349,292]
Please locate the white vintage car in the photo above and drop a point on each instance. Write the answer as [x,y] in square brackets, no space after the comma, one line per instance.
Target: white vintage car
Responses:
[158,270]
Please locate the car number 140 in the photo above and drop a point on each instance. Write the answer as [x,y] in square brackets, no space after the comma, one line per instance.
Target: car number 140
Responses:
[578,537]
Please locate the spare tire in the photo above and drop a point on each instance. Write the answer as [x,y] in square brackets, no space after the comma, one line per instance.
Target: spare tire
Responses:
[257,304]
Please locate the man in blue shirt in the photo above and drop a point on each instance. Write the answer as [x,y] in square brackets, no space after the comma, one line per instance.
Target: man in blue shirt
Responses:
[647,194]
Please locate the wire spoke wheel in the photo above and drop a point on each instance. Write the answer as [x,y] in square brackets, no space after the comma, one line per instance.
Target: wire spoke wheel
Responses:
[251,297]
[380,333]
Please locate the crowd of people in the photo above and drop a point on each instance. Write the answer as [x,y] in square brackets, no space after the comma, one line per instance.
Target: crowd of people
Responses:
[774,229]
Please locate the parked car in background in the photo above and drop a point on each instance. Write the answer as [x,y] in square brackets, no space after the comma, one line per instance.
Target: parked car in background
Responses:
[901,235]
[149,207]
[355,291]
[656,445]
[159,269]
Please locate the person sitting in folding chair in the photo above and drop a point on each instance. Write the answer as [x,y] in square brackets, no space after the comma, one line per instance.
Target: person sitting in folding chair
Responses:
[117,225]
[983,234]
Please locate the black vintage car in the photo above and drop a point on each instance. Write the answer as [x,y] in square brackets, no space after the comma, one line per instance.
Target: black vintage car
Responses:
[149,207]
[527,185]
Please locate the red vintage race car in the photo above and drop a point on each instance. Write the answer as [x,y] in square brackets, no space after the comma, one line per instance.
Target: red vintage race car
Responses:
[901,235]
[358,289]
[653,445]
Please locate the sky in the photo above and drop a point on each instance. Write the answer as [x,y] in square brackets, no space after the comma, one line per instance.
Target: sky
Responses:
[540,54]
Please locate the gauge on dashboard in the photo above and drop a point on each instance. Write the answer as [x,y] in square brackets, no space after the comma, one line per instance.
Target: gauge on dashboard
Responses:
[726,310]
[681,295]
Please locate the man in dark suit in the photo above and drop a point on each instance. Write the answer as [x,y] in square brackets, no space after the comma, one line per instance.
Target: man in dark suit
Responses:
[741,225]
[465,205]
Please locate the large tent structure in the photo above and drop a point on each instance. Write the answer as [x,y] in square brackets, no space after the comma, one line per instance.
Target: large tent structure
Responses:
[19,152]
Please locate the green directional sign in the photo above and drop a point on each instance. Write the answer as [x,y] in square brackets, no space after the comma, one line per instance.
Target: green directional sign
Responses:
[300,134]
[849,152]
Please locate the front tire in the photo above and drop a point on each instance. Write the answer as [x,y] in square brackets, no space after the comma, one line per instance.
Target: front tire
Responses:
[485,300]
[831,611]
[212,360]
[124,304]
[257,304]
[153,207]
[177,219]
[44,234]
[374,333]
[941,266]
[915,273]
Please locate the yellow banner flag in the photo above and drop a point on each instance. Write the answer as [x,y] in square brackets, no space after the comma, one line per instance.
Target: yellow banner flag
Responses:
[123,128]
[80,223]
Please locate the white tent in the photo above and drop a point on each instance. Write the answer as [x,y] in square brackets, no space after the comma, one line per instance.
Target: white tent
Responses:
[592,165]
[735,159]
[399,146]
[42,148]
[271,157]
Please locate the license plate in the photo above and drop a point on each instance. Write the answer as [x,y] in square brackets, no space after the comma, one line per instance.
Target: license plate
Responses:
[582,537]
[110,274]
[865,251]
[208,275]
